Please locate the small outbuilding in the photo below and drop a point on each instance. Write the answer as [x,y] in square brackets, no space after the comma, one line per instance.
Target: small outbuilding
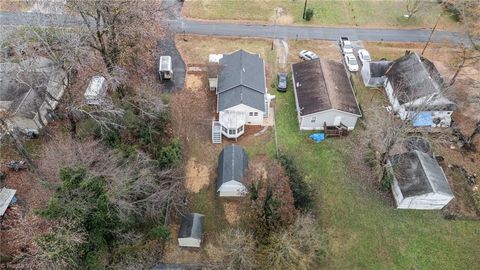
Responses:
[6,197]
[373,73]
[96,90]
[324,95]
[418,182]
[191,230]
[232,164]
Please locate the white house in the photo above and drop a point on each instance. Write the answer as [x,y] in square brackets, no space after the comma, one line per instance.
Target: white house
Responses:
[191,230]
[418,181]
[232,163]
[415,88]
[241,89]
[96,90]
[324,95]
[30,92]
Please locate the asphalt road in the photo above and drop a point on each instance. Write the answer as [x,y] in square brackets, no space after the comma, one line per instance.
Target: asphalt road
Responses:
[307,32]
[181,25]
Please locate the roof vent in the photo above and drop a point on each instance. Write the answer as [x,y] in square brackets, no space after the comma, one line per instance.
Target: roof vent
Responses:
[243,69]
[298,84]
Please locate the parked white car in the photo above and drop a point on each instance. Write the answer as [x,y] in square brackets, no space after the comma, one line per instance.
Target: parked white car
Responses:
[351,62]
[346,45]
[307,55]
[364,56]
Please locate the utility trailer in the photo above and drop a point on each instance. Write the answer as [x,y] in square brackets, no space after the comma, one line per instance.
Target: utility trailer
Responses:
[165,70]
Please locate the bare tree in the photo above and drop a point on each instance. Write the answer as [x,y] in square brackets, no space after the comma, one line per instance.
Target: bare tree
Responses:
[115,26]
[300,246]
[413,7]
[136,186]
[234,249]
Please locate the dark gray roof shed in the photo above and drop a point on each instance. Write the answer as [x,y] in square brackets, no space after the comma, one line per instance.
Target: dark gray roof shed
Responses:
[418,173]
[232,163]
[191,226]
[241,81]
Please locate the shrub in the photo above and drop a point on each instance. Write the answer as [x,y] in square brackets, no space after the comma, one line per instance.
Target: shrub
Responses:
[170,155]
[308,14]
[370,158]
[159,233]
[387,181]
[300,246]
[271,203]
[234,249]
[453,10]
[301,190]
[81,202]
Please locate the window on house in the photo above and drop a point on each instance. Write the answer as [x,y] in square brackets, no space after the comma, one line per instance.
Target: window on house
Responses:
[313,119]
[255,114]
[224,129]
[250,114]
[231,131]
[240,129]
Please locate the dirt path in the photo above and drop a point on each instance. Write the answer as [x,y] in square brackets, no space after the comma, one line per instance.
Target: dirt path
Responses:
[281,47]
[197,176]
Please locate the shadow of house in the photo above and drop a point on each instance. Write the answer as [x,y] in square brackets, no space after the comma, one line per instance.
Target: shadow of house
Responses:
[29,92]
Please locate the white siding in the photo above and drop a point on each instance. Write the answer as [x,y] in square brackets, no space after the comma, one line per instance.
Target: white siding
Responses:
[189,242]
[232,189]
[328,117]
[429,201]
[251,120]
[445,116]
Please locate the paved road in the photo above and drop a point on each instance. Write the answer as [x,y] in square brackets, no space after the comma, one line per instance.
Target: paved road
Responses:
[306,32]
[179,25]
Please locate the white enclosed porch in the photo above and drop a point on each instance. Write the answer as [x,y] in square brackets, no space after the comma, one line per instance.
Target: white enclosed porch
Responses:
[233,123]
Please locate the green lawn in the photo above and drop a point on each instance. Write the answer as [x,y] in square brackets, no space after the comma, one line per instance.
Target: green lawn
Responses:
[366,13]
[362,231]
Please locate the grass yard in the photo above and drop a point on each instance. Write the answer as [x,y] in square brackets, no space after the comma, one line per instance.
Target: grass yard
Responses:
[362,231]
[362,13]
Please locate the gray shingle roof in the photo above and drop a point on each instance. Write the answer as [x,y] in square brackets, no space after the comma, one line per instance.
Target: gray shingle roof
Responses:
[322,85]
[417,173]
[241,81]
[413,77]
[232,164]
[191,226]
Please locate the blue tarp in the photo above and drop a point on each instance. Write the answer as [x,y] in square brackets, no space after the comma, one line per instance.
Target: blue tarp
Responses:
[317,137]
[423,119]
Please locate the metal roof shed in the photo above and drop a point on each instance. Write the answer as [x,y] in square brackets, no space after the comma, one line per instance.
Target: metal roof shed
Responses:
[191,230]
[96,90]
[418,181]
[232,163]
[6,196]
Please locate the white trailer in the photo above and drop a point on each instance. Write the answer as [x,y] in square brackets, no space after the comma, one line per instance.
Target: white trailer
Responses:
[96,90]
[165,68]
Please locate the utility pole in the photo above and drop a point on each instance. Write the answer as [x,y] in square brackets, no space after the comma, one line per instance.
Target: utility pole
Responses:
[431,33]
[304,9]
